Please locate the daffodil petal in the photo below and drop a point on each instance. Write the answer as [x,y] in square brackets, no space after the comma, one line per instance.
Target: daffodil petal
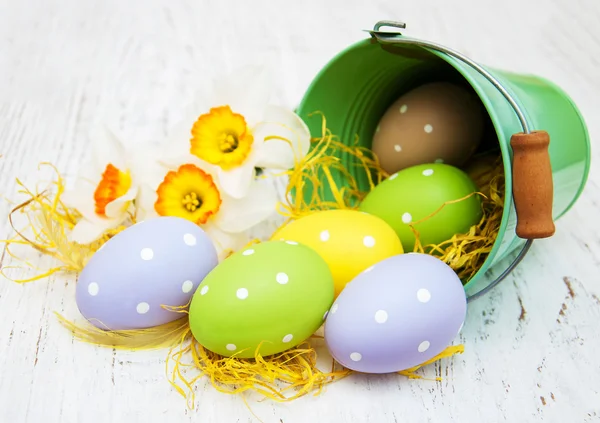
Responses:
[144,165]
[144,202]
[239,215]
[276,153]
[107,148]
[181,133]
[81,198]
[236,182]
[118,207]
[246,91]
[174,161]
[86,232]
[225,243]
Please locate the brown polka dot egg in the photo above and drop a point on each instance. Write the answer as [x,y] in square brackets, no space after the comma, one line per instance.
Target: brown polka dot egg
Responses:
[435,123]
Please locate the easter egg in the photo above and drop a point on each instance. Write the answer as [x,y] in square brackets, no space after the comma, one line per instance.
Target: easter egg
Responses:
[273,295]
[416,193]
[437,122]
[348,240]
[401,313]
[155,263]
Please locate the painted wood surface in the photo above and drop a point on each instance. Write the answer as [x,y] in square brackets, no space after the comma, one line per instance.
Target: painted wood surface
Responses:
[531,345]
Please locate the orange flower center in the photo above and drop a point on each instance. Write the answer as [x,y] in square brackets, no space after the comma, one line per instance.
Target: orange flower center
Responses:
[113,185]
[222,138]
[189,193]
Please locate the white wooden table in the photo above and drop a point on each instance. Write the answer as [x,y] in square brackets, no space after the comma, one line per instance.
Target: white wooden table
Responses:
[531,345]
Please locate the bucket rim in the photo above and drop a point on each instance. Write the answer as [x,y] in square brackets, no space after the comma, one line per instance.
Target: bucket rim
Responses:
[504,144]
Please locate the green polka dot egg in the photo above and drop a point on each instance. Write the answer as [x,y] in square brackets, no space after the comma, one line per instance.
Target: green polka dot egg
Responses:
[417,192]
[274,295]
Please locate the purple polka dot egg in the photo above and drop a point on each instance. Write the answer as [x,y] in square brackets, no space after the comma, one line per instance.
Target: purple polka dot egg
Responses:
[135,278]
[398,314]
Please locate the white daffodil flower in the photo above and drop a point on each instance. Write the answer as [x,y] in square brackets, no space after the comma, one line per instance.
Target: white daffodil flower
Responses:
[236,130]
[104,190]
[192,191]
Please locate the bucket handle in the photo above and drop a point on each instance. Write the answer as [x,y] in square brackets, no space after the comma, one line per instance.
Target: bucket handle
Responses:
[532,172]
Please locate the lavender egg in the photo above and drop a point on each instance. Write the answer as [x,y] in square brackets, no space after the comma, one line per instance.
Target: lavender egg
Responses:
[396,315]
[155,263]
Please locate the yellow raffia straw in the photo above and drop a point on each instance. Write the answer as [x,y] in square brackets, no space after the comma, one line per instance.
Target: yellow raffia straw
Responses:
[49,221]
[447,353]
[322,161]
[281,377]
[158,337]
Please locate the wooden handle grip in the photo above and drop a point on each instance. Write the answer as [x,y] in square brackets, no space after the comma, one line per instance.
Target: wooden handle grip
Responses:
[532,185]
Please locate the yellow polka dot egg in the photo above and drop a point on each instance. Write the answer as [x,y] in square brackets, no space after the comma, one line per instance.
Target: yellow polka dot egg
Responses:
[349,241]
[271,296]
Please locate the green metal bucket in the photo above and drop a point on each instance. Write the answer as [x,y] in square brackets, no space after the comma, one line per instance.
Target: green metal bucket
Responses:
[356,87]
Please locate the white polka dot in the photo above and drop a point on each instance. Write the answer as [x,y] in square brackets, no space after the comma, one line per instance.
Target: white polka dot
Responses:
[381,316]
[291,242]
[369,241]
[142,308]
[356,356]
[147,254]
[334,308]
[438,161]
[428,128]
[288,338]
[93,289]
[394,176]
[189,239]
[204,290]
[369,269]
[248,252]
[324,236]
[406,218]
[403,108]
[397,148]
[424,346]
[428,172]
[187,286]
[423,295]
[282,278]
[242,293]
[325,315]
[231,347]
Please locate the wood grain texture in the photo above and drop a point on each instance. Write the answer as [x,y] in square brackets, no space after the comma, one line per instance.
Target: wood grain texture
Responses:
[531,344]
